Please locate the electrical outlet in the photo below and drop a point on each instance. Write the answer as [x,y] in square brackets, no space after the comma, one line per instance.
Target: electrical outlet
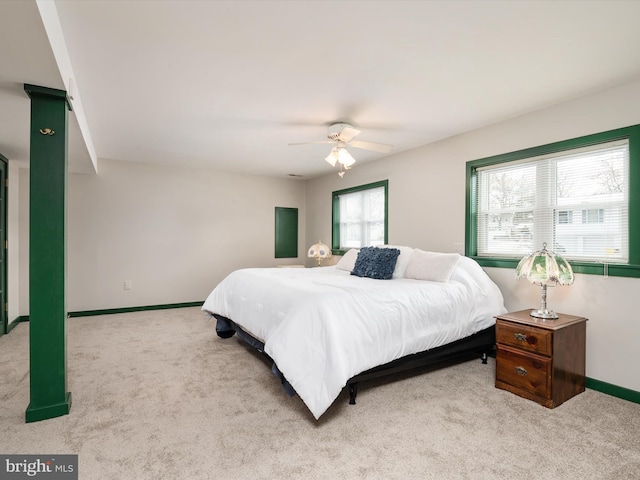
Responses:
[128,285]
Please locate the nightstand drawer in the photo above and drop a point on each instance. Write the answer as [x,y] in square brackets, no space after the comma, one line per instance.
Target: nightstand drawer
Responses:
[524,371]
[526,338]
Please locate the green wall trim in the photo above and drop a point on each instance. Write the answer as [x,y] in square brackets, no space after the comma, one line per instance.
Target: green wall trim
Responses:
[111,311]
[35,414]
[593,384]
[16,321]
[613,390]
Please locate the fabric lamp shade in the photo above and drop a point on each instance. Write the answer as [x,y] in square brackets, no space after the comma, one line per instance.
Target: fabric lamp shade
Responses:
[545,268]
[319,251]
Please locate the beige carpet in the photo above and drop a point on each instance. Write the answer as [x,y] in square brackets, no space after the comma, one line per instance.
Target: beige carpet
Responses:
[157,395]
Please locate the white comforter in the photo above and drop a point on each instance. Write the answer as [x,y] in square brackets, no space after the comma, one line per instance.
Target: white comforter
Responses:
[322,326]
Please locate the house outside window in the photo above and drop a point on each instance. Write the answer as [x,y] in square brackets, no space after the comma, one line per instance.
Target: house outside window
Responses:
[359,217]
[593,215]
[565,216]
[577,196]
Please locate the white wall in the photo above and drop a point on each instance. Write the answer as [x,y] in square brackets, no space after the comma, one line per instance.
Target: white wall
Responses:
[427,210]
[175,233]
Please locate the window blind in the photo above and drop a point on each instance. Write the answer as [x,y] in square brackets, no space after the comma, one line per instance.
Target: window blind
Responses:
[576,201]
[362,218]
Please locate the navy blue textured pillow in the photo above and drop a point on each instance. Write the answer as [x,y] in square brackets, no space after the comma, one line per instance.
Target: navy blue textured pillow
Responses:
[364,258]
[377,263]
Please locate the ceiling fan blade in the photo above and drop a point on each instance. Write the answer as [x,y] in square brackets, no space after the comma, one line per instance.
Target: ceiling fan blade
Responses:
[376,147]
[313,143]
[347,134]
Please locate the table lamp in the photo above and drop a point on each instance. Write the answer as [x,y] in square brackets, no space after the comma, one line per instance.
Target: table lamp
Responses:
[319,251]
[545,268]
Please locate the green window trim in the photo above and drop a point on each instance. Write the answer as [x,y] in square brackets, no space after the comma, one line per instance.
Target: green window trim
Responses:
[632,133]
[335,213]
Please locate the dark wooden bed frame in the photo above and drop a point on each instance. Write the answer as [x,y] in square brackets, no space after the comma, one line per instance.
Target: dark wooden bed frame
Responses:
[480,344]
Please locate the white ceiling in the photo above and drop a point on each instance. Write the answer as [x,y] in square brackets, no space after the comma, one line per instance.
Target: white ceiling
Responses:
[228,84]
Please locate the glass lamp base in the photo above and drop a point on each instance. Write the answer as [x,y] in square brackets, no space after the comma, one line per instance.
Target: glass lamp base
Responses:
[545,314]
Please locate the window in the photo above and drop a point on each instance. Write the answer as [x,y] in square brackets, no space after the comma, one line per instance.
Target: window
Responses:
[593,215]
[577,196]
[359,217]
[565,216]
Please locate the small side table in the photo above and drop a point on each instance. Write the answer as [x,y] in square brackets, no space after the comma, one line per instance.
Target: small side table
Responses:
[542,360]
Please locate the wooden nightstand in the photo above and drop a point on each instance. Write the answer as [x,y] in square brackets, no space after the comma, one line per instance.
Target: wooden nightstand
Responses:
[542,360]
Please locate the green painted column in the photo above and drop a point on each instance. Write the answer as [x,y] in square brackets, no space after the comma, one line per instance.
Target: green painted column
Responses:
[47,254]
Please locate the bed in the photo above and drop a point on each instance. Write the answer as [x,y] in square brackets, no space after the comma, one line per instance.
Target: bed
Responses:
[326,329]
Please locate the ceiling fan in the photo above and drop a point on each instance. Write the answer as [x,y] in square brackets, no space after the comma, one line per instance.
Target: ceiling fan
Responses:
[342,136]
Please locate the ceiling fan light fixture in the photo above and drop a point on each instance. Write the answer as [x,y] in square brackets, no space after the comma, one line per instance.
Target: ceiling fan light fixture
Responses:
[332,158]
[342,135]
[345,158]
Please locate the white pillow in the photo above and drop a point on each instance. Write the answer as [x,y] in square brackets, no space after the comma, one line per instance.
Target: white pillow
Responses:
[348,260]
[403,260]
[432,266]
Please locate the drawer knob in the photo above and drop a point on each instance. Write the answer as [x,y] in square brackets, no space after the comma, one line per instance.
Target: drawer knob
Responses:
[520,337]
[521,371]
